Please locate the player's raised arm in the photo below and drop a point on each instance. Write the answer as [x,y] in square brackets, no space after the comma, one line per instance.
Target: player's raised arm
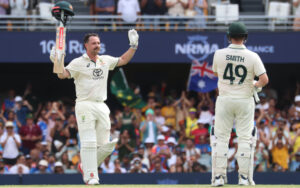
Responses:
[65,73]
[134,41]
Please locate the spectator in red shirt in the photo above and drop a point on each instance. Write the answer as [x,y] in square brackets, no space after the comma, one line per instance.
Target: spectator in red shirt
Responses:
[30,134]
[200,131]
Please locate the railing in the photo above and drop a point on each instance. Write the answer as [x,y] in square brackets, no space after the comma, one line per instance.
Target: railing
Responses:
[147,23]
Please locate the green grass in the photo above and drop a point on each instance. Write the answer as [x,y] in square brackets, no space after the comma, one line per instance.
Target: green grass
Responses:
[146,186]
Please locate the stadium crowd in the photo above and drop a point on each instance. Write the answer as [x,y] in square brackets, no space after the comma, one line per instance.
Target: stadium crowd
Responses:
[170,134]
[195,11]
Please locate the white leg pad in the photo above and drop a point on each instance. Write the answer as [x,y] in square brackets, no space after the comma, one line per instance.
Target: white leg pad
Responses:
[219,159]
[88,154]
[244,158]
[105,150]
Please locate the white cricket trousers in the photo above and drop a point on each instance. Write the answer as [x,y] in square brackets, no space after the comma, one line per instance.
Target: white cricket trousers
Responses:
[94,131]
[230,110]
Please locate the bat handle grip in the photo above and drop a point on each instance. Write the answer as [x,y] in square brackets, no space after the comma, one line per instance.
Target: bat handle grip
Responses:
[256,98]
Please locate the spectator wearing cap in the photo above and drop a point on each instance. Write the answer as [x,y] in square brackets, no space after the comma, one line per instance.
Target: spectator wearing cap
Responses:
[30,134]
[149,128]
[20,167]
[171,142]
[11,116]
[22,108]
[137,166]
[125,145]
[161,149]
[11,143]
[199,131]
[190,122]
[58,168]
[43,167]
[166,131]
[3,168]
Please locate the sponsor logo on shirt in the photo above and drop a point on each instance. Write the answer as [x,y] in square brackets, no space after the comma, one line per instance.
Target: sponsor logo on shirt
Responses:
[97,74]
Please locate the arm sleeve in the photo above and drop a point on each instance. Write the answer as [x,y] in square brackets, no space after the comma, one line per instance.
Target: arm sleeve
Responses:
[111,61]
[214,66]
[259,67]
[71,67]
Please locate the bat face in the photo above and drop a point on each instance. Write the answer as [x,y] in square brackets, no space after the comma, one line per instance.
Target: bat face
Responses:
[60,49]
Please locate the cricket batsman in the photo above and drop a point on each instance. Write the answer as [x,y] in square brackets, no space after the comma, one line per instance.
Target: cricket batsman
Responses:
[90,73]
[236,67]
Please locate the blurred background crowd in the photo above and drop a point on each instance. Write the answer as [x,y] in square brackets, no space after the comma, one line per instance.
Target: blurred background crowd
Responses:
[170,134]
[195,11]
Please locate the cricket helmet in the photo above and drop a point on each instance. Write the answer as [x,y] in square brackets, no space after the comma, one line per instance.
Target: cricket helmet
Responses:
[65,6]
[237,29]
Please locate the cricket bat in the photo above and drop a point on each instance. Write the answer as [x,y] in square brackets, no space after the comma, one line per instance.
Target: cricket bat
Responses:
[60,47]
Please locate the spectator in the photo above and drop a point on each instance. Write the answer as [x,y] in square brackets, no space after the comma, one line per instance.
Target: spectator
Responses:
[58,168]
[127,122]
[161,150]
[18,8]
[136,166]
[295,137]
[59,136]
[261,158]
[11,143]
[199,131]
[20,167]
[149,128]
[126,162]
[3,168]
[295,164]
[43,167]
[117,167]
[107,166]
[169,112]
[296,5]
[105,7]
[129,10]
[92,6]
[191,150]
[191,122]
[159,119]
[30,134]
[71,128]
[114,133]
[42,123]
[200,8]
[280,152]
[9,102]
[153,7]
[125,145]
[22,108]
[11,116]
[176,7]
[158,168]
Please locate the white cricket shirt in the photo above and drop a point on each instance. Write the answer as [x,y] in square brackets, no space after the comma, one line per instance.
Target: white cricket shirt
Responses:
[90,77]
[236,67]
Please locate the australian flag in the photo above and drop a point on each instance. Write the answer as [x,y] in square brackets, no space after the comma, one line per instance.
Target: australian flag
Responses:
[201,77]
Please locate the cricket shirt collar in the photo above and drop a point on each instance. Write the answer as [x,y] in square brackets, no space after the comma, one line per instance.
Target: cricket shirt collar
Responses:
[236,46]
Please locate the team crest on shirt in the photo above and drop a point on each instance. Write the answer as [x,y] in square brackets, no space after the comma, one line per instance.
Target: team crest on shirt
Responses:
[97,74]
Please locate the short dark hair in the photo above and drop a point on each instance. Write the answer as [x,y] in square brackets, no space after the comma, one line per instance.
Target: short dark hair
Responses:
[88,35]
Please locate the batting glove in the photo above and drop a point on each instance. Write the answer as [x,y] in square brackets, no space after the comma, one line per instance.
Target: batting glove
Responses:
[52,54]
[57,53]
[133,38]
[257,89]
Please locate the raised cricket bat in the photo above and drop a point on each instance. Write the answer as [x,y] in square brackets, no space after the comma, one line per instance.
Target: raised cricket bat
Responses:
[60,46]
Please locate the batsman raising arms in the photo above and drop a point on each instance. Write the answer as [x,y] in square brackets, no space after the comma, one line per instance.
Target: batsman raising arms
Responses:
[236,67]
[90,73]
